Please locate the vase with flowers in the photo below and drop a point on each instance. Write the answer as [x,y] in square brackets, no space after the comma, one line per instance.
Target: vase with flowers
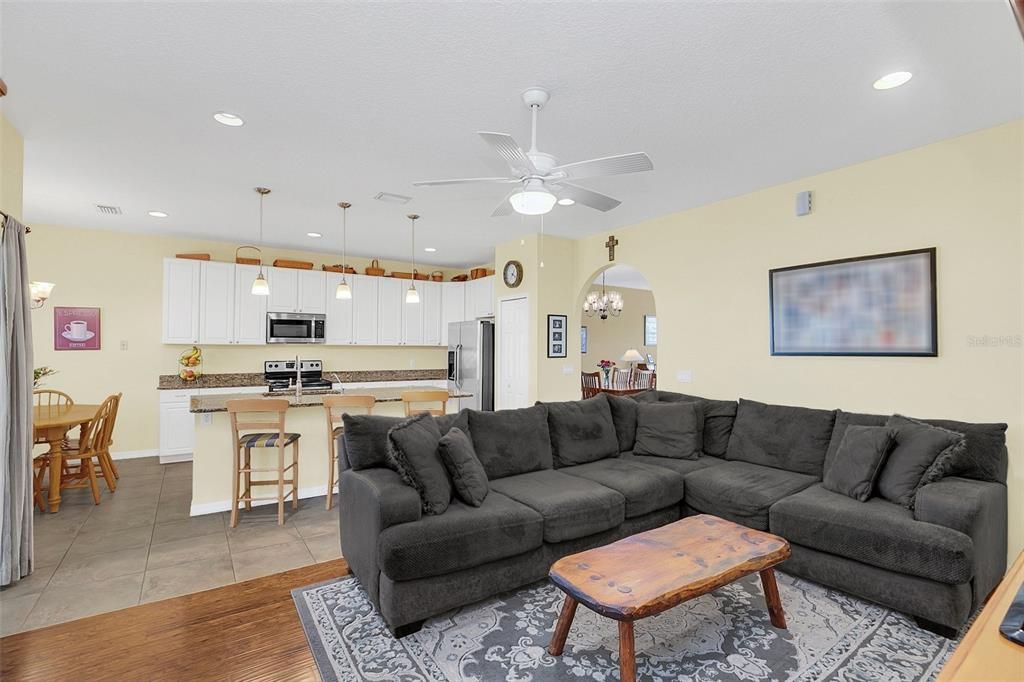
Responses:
[606,367]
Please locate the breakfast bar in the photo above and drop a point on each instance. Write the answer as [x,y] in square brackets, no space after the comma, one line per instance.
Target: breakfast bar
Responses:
[211,460]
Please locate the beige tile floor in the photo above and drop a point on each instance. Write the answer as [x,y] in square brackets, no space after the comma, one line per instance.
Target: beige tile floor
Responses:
[140,545]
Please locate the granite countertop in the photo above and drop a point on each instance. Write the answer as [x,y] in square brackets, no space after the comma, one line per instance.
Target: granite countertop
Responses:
[241,380]
[218,403]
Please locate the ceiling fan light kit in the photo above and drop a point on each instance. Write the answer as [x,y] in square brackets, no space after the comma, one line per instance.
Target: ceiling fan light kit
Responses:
[543,181]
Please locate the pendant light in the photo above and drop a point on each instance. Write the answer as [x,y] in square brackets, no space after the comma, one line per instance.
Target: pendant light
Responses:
[344,291]
[260,286]
[413,296]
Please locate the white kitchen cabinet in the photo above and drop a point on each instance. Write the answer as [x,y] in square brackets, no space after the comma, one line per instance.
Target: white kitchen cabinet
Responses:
[177,424]
[431,296]
[311,296]
[181,301]
[389,306]
[365,309]
[250,311]
[340,316]
[217,303]
[480,298]
[284,290]
[453,306]
[412,316]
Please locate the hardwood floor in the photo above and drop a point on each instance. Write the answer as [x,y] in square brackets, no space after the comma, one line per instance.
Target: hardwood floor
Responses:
[247,631]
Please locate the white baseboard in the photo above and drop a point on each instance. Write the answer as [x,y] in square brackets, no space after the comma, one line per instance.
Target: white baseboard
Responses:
[134,454]
[225,505]
[173,459]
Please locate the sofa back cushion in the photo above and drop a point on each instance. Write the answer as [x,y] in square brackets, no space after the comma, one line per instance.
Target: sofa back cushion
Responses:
[623,409]
[671,429]
[510,442]
[366,440]
[582,431]
[791,438]
[718,415]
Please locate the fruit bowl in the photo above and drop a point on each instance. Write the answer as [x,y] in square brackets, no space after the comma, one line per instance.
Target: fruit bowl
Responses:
[191,364]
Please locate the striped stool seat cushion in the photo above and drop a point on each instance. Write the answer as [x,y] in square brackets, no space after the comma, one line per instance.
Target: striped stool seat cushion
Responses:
[265,440]
[338,430]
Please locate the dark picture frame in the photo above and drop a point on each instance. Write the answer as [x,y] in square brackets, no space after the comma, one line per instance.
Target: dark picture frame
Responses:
[583,340]
[881,305]
[556,336]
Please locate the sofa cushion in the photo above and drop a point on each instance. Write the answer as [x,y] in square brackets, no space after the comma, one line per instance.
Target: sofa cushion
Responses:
[468,476]
[582,431]
[624,417]
[876,532]
[460,420]
[571,506]
[413,454]
[790,438]
[843,420]
[366,439]
[669,430]
[718,415]
[859,461]
[462,537]
[923,454]
[742,492]
[647,488]
[510,442]
[680,466]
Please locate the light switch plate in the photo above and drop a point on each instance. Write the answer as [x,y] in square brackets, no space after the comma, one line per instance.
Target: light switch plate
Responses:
[568,370]
[207,418]
[684,376]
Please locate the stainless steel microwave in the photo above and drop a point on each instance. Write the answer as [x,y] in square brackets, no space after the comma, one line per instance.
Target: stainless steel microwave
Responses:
[295,328]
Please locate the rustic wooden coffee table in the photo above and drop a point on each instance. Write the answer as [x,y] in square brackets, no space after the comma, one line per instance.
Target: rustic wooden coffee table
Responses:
[651,572]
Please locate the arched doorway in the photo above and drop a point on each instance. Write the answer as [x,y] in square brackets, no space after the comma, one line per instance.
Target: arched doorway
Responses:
[620,324]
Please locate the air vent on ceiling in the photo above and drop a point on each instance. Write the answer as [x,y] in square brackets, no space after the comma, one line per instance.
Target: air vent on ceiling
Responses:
[392,198]
[108,210]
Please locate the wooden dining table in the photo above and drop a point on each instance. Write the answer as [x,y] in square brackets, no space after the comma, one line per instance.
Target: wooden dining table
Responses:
[52,423]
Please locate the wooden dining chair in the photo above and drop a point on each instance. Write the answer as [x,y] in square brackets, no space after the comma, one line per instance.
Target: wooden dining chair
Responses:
[90,453]
[412,399]
[590,384]
[335,406]
[620,379]
[48,397]
[644,379]
[103,457]
[253,414]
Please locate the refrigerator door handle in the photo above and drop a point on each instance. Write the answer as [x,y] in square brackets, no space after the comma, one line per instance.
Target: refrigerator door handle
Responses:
[458,366]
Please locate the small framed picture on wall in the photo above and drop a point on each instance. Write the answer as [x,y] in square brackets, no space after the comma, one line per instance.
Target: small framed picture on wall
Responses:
[556,336]
[76,328]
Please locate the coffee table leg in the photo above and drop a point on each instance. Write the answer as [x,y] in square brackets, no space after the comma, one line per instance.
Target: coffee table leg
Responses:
[562,628]
[627,652]
[771,597]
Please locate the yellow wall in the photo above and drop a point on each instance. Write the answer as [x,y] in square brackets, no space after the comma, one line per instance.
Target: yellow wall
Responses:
[609,339]
[122,274]
[963,195]
[12,155]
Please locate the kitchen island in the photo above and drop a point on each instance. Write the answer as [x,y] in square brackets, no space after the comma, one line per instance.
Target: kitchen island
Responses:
[211,459]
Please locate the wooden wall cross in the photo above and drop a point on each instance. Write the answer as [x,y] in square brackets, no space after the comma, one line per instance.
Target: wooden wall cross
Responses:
[610,245]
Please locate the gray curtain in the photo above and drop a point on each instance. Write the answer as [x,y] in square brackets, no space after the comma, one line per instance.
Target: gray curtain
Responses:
[16,547]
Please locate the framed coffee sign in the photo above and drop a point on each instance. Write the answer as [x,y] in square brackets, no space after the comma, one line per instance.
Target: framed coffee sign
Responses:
[76,328]
[870,305]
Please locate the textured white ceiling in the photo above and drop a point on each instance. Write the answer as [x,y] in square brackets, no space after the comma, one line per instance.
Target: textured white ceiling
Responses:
[344,100]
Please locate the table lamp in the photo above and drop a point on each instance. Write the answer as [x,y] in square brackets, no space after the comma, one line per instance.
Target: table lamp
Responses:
[632,356]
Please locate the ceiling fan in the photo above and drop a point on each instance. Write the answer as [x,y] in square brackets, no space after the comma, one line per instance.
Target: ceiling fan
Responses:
[542,181]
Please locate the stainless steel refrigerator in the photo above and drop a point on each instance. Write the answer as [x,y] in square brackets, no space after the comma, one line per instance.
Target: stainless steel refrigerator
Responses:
[471,363]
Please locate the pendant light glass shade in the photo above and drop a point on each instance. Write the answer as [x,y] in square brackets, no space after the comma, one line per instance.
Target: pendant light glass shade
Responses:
[413,296]
[343,292]
[260,287]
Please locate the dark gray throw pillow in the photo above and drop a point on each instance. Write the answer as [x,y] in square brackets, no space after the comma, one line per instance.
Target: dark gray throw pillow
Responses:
[468,475]
[582,431]
[923,454]
[624,417]
[858,461]
[366,439]
[413,454]
[668,430]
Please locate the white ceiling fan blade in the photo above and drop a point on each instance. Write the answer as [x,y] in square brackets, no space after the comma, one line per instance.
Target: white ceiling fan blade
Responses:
[509,150]
[463,181]
[637,162]
[587,197]
[504,208]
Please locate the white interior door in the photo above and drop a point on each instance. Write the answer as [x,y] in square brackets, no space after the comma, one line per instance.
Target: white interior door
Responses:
[513,340]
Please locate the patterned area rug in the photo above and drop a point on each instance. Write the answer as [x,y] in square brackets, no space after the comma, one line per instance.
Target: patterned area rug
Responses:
[722,636]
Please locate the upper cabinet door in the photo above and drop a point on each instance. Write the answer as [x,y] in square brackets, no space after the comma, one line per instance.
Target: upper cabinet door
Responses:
[250,310]
[216,303]
[339,312]
[390,303]
[365,310]
[311,297]
[181,301]
[430,297]
[284,290]
[453,306]
[486,297]
[413,315]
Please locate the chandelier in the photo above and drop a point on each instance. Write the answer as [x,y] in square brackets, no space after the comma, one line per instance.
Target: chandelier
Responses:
[603,303]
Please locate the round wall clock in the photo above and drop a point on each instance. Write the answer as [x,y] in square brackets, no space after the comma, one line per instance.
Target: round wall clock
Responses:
[512,274]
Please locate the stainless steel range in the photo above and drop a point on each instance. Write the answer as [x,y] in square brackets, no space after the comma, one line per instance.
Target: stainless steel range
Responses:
[281,375]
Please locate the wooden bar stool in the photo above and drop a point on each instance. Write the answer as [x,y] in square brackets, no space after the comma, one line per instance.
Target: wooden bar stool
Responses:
[335,406]
[252,413]
[413,398]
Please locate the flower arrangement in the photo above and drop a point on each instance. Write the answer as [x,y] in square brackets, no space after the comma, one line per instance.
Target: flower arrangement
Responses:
[606,367]
[40,373]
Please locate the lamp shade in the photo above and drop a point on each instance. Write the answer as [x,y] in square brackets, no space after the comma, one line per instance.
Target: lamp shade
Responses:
[260,286]
[39,292]
[343,291]
[411,295]
[632,355]
[535,199]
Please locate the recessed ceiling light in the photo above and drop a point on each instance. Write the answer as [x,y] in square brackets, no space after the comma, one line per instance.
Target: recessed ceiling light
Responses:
[314,235]
[893,80]
[227,119]
[566,202]
[430,249]
[158,214]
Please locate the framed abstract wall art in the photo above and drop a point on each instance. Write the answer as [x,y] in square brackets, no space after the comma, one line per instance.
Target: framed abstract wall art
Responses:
[884,305]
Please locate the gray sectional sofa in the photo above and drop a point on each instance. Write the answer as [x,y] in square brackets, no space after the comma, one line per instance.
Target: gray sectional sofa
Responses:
[563,477]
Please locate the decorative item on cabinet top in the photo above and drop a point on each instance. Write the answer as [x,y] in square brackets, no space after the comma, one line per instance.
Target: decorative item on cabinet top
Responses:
[339,268]
[477,273]
[293,264]
[193,256]
[374,269]
[243,260]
